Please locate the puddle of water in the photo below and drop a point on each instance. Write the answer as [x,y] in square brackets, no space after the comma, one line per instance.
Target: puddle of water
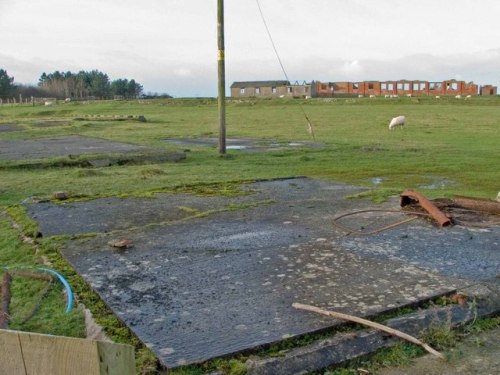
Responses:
[438,184]
[236,147]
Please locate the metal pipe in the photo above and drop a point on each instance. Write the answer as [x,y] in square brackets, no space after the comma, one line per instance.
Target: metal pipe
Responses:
[408,197]
[477,204]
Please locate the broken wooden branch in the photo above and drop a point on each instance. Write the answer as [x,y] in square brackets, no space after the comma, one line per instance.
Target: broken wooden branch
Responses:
[368,323]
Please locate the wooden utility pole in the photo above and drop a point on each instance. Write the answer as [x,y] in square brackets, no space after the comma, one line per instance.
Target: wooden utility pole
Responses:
[222,77]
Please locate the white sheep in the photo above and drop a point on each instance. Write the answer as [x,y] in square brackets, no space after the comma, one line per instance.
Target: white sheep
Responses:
[498,197]
[458,96]
[397,121]
[372,96]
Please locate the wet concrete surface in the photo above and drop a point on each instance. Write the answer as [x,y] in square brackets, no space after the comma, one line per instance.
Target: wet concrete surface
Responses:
[61,146]
[195,287]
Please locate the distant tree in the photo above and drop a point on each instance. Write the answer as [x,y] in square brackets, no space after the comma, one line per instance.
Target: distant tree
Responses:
[84,84]
[99,84]
[26,91]
[119,87]
[7,86]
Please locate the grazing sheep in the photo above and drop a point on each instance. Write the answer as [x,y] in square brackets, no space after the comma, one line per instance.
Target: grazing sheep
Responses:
[408,95]
[387,96]
[361,96]
[372,96]
[397,121]
[458,96]
[438,97]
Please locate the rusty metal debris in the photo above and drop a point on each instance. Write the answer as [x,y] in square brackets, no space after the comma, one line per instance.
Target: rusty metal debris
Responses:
[408,197]
[477,204]
[474,212]
[350,231]
[6,294]
[5,304]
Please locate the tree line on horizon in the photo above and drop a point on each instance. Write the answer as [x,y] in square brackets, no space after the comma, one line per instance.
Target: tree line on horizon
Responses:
[79,85]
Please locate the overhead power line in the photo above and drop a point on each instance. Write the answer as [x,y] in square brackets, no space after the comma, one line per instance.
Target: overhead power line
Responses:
[309,124]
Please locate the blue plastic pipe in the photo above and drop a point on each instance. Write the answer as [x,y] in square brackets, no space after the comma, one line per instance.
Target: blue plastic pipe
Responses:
[66,285]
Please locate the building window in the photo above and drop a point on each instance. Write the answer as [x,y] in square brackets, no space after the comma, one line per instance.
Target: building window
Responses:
[399,86]
[355,86]
[242,90]
[422,86]
[273,89]
[435,85]
[390,86]
[257,90]
[370,86]
[383,86]
[416,86]
[306,89]
[406,86]
[289,89]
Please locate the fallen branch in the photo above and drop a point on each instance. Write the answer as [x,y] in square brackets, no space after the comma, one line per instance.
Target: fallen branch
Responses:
[368,323]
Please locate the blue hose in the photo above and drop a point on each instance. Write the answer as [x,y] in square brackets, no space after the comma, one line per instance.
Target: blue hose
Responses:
[66,285]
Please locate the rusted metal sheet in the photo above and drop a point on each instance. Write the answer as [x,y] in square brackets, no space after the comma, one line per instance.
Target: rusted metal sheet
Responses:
[408,197]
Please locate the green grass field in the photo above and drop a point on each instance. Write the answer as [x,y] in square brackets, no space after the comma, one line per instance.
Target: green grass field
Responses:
[448,147]
[448,144]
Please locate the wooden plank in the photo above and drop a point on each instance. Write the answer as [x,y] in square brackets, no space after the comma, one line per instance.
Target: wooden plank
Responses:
[26,353]
[116,359]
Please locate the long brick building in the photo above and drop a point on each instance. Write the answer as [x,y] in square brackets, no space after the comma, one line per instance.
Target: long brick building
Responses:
[270,89]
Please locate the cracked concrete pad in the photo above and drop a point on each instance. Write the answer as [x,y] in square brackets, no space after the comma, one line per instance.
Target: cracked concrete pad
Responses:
[61,146]
[202,287]
[207,296]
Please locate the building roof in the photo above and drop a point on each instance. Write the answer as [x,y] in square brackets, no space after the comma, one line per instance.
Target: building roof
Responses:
[259,84]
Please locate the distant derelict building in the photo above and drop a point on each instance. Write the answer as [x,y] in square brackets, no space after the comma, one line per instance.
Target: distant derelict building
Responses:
[280,89]
[271,89]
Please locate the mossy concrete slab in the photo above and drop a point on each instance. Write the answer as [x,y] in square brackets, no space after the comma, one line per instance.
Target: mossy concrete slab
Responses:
[201,286]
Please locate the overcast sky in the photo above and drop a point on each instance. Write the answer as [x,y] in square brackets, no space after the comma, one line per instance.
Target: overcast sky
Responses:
[170,46]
